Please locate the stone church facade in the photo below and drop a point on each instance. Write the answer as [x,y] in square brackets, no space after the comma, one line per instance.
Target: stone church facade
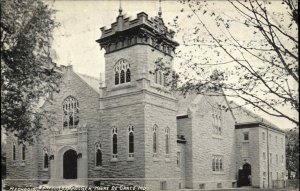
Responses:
[132,130]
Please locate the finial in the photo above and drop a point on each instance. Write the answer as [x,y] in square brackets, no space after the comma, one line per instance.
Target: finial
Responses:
[120,9]
[159,11]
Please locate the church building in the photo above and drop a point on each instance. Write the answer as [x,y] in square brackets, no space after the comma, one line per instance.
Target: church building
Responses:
[130,129]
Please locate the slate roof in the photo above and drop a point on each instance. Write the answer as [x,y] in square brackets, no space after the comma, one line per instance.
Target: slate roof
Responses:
[91,81]
[244,116]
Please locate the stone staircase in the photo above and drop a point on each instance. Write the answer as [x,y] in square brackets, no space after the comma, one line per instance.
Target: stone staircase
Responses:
[246,188]
[64,183]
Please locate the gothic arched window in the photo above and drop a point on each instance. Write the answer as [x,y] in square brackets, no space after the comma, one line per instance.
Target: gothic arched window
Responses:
[70,113]
[117,78]
[114,143]
[155,145]
[122,77]
[130,141]
[46,159]
[167,132]
[160,78]
[14,152]
[98,155]
[122,72]
[128,75]
[23,152]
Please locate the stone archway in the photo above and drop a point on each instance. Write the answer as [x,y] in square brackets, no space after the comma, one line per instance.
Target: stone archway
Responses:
[70,164]
[245,175]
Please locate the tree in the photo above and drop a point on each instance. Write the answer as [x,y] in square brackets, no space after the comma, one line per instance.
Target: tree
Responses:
[250,53]
[3,160]
[292,152]
[28,73]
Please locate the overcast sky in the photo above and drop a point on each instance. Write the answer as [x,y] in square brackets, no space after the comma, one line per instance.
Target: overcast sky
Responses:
[74,41]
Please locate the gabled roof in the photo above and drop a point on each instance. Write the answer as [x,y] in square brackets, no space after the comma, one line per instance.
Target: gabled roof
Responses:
[245,117]
[91,81]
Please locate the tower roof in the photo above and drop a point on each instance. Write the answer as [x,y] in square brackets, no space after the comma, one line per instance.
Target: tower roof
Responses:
[141,27]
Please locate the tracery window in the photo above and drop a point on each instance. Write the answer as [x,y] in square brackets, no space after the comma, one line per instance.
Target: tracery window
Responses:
[98,155]
[167,132]
[122,72]
[46,159]
[155,145]
[117,78]
[130,141]
[122,78]
[216,115]
[70,113]
[114,143]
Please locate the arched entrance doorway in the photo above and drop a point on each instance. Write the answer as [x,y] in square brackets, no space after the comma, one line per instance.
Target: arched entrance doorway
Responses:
[70,164]
[245,175]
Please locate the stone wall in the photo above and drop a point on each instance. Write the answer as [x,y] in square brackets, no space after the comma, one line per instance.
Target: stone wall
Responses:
[205,144]
[258,151]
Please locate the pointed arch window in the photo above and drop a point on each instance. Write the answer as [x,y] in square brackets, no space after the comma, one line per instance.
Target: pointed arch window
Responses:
[156,77]
[23,152]
[114,143]
[160,78]
[128,75]
[46,159]
[70,109]
[98,155]
[122,72]
[167,135]
[14,152]
[122,77]
[155,137]
[130,141]
[117,78]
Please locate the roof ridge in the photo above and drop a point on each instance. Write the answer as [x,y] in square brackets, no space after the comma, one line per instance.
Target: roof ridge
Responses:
[88,76]
[256,117]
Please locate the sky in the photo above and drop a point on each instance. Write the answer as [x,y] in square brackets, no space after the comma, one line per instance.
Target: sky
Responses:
[80,22]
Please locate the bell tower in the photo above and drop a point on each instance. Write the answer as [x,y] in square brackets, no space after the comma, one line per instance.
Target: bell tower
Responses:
[139,43]
[137,102]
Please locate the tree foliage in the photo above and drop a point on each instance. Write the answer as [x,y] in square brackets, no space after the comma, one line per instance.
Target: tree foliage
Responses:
[292,152]
[250,52]
[28,73]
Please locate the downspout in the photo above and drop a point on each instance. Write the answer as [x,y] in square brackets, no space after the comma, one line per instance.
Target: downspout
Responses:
[268,157]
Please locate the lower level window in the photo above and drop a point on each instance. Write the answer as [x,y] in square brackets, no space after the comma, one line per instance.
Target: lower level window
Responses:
[23,152]
[217,163]
[163,185]
[202,186]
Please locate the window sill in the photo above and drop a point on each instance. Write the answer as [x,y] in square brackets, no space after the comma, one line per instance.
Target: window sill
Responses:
[45,170]
[217,136]
[245,141]
[167,159]
[218,173]
[23,163]
[130,159]
[155,159]
[114,160]
[122,86]
[160,87]
[98,168]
